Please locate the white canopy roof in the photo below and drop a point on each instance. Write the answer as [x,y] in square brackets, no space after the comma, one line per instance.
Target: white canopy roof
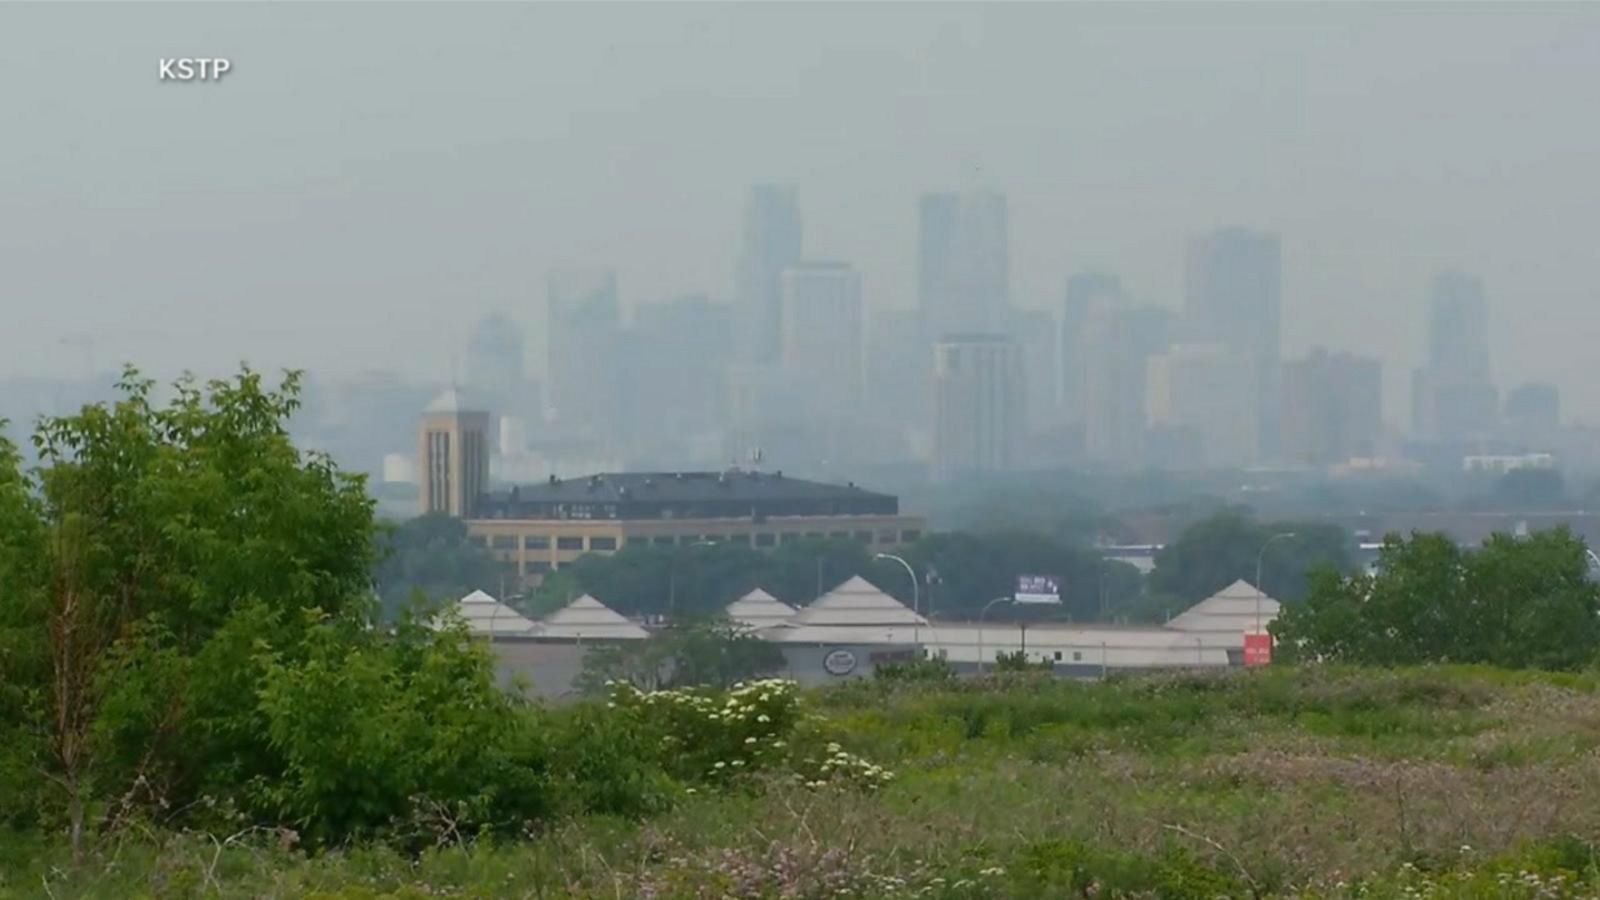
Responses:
[486,616]
[1235,609]
[759,609]
[857,602]
[588,619]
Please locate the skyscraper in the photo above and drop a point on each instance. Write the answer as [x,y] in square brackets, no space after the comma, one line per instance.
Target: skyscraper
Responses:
[1034,331]
[822,334]
[675,372]
[978,400]
[1332,408]
[495,369]
[1453,397]
[1118,341]
[770,244]
[452,456]
[1232,297]
[1208,390]
[1084,290]
[1533,412]
[584,331]
[963,261]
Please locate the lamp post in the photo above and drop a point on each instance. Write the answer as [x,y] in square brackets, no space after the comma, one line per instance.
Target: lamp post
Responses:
[1260,558]
[981,616]
[916,595]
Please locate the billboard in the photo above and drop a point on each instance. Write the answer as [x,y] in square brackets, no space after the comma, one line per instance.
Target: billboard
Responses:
[1037,589]
[1257,648]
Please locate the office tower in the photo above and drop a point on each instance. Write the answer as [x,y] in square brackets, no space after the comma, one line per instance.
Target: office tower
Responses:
[822,335]
[1117,343]
[495,369]
[675,373]
[1453,397]
[1035,333]
[1533,412]
[899,367]
[1232,297]
[978,405]
[770,243]
[1084,291]
[1208,390]
[1332,408]
[963,261]
[584,334]
[452,456]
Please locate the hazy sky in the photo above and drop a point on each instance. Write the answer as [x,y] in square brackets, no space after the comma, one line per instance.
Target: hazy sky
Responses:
[370,178]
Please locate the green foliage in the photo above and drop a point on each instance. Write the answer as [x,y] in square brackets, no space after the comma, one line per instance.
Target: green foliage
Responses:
[931,670]
[1512,603]
[1213,553]
[1017,661]
[689,653]
[1529,489]
[431,558]
[186,632]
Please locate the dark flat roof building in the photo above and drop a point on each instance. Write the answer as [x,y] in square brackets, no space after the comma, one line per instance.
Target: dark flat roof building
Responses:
[636,496]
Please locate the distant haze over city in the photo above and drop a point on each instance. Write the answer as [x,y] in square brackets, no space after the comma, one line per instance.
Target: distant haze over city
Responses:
[347,204]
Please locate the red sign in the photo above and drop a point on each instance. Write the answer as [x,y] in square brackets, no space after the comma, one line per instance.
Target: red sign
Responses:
[1257,649]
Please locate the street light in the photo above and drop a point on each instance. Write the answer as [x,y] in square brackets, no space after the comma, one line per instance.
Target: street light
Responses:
[916,595]
[1260,558]
[981,616]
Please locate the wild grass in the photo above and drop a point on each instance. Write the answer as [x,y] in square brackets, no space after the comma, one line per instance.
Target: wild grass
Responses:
[1330,783]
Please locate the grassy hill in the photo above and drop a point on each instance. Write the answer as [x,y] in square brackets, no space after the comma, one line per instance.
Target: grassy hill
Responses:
[1290,782]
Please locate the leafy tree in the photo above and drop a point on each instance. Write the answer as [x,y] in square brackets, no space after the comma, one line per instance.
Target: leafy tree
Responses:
[1529,489]
[171,569]
[1213,553]
[695,653]
[1515,603]
[431,558]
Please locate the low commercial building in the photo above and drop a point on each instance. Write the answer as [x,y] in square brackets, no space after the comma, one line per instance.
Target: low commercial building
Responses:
[537,529]
[853,629]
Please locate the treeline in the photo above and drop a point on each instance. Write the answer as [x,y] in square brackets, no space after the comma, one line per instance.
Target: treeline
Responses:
[1513,602]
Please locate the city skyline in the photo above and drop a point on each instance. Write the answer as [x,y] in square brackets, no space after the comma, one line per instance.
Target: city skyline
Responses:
[311,228]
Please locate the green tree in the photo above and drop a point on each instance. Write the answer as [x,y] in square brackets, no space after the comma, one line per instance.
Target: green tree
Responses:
[1529,489]
[431,558]
[171,569]
[1516,603]
[691,653]
[1213,553]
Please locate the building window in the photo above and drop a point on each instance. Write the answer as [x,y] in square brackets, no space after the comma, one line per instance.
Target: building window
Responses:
[864,537]
[1058,656]
[910,536]
[664,540]
[766,539]
[1077,656]
[886,536]
[569,543]
[742,540]
[536,542]
[602,543]
[478,539]
[789,537]
[839,536]
[538,568]
[503,542]
[813,535]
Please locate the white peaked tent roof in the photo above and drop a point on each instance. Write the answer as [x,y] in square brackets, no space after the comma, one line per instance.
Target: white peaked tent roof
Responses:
[588,618]
[485,615]
[857,602]
[1233,609]
[759,609]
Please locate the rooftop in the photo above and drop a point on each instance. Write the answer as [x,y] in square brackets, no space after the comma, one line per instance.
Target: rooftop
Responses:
[684,487]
